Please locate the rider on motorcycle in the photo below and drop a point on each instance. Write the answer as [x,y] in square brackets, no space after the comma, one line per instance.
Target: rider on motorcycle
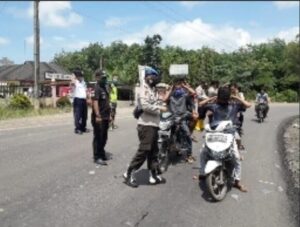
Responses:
[180,101]
[222,110]
[262,97]
[240,117]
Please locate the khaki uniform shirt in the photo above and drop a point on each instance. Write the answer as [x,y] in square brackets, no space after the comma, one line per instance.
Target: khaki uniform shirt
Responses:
[148,101]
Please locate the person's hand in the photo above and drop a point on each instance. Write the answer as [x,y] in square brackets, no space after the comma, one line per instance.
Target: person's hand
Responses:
[213,99]
[185,84]
[170,88]
[234,97]
[98,119]
[163,109]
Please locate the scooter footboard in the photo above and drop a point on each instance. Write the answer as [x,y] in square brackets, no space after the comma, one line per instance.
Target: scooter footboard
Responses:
[211,165]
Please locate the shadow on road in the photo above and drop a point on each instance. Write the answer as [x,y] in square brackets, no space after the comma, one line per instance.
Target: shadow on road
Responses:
[142,177]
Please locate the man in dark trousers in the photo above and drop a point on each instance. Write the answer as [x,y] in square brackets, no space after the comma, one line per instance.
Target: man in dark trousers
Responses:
[79,102]
[100,117]
[147,128]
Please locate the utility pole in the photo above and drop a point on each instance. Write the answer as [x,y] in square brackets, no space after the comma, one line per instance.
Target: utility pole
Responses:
[36,28]
[100,62]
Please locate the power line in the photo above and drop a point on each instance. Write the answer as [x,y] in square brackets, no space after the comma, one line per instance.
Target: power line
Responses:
[97,20]
[173,19]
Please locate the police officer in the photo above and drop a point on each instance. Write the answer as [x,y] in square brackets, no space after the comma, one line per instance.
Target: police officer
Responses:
[147,128]
[100,117]
[79,102]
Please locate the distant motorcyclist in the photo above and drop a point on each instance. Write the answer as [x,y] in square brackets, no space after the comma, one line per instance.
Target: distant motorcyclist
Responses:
[262,97]
[180,99]
[222,109]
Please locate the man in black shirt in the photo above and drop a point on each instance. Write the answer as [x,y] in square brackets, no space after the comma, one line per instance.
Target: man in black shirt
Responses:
[100,117]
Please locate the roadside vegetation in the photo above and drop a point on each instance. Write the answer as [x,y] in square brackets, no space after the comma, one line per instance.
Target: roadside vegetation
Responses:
[20,106]
[274,64]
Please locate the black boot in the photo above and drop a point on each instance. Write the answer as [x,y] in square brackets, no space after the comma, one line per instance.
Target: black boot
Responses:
[155,179]
[129,179]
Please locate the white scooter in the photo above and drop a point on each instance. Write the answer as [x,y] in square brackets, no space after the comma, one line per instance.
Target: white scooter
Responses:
[220,145]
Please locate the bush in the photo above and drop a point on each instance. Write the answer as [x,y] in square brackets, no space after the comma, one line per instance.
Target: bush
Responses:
[286,96]
[20,101]
[63,102]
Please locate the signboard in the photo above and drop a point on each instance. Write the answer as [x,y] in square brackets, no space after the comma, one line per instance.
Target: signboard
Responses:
[58,76]
[181,69]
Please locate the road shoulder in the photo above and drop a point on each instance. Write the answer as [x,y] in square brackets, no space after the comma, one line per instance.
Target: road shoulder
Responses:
[288,144]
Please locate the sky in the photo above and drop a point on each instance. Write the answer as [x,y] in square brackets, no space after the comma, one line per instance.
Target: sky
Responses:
[72,25]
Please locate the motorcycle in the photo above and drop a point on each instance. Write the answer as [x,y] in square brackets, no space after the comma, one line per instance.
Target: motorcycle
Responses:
[261,111]
[170,138]
[220,145]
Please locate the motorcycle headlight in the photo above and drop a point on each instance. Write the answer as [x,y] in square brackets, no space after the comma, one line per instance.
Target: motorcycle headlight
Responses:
[219,155]
[164,125]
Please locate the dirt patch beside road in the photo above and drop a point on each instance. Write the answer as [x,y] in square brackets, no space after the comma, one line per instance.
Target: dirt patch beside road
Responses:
[288,138]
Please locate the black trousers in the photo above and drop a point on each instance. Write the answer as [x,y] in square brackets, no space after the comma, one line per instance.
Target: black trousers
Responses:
[148,148]
[100,138]
[80,113]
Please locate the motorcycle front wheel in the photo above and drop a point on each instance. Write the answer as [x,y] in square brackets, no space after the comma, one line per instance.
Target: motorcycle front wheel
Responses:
[163,157]
[217,187]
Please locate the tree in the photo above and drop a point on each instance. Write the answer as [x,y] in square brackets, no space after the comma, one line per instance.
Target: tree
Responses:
[152,52]
[5,61]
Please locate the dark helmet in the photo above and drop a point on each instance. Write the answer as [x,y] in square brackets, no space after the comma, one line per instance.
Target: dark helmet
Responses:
[155,77]
[223,95]
[78,73]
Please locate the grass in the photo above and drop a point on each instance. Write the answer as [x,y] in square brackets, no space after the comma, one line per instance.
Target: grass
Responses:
[9,113]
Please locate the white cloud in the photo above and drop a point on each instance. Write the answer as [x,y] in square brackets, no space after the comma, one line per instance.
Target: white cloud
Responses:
[76,45]
[286,4]
[114,22]
[3,41]
[289,34]
[193,35]
[191,4]
[58,38]
[57,14]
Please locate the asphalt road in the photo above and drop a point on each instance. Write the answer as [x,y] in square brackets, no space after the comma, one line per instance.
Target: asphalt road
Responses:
[47,178]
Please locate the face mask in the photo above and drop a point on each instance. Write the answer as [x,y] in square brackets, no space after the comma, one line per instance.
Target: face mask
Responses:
[179,92]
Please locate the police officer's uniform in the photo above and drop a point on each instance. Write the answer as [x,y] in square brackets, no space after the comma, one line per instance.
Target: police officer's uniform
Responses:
[148,125]
[100,128]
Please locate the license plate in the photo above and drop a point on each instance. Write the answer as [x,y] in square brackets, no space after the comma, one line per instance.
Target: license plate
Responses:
[217,138]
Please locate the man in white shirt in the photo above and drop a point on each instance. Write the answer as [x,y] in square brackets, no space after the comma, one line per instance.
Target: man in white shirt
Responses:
[79,102]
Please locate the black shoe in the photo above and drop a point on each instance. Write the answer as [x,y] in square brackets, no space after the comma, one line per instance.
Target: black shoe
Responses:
[101,162]
[201,177]
[129,180]
[86,130]
[78,132]
[155,179]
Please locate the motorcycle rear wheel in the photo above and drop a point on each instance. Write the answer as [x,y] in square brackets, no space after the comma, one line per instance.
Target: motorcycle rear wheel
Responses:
[217,189]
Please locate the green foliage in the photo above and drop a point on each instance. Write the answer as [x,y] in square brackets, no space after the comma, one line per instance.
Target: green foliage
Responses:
[151,51]
[63,102]
[286,96]
[20,101]
[274,64]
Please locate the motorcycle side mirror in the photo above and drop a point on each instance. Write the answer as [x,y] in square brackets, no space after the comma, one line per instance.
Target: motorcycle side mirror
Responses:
[207,127]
